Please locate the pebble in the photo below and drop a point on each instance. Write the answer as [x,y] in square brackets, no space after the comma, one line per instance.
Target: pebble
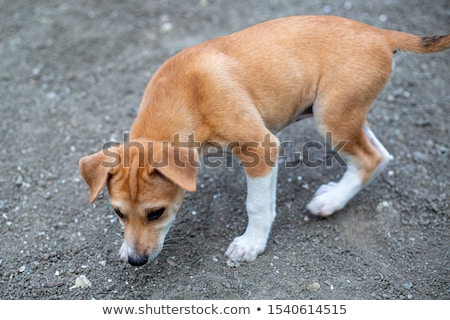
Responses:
[314,286]
[171,261]
[327,9]
[166,27]
[81,282]
[408,285]
[18,181]
[382,205]
[47,195]
[383,18]
[50,95]
[442,149]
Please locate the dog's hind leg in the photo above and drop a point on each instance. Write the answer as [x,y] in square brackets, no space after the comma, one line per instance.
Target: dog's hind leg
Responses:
[385,155]
[364,154]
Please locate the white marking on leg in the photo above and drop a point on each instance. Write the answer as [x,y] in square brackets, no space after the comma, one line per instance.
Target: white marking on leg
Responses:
[334,196]
[385,155]
[261,202]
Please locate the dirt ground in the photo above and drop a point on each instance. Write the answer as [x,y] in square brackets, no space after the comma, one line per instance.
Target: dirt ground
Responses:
[72,75]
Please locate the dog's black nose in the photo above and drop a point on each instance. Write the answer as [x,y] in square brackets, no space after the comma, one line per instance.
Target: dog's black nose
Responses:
[137,261]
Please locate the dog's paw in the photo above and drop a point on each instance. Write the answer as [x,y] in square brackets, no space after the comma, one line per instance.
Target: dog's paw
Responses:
[326,201]
[325,188]
[244,249]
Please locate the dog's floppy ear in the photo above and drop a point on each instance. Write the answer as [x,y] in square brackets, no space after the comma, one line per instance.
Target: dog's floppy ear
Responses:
[95,169]
[181,167]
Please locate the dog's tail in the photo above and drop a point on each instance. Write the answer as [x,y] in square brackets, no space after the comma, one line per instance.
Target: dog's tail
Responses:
[402,41]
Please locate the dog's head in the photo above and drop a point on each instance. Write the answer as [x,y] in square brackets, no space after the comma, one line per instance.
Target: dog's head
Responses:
[146,183]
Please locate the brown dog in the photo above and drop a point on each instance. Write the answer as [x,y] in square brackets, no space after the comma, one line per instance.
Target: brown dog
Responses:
[238,91]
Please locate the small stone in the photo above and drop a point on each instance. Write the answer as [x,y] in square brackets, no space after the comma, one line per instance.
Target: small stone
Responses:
[327,9]
[18,181]
[36,71]
[408,285]
[171,261]
[382,205]
[50,95]
[314,286]
[103,262]
[166,27]
[383,18]
[442,149]
[81,282]
[22,269]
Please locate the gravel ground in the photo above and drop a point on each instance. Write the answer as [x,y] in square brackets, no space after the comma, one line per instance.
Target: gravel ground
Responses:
[72,75]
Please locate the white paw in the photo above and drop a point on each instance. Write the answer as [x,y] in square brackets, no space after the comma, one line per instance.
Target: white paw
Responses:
[325,188]
[244,248]
[327,200]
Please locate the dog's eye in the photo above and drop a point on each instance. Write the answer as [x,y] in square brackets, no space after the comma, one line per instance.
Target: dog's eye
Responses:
[119,214]
[155,213]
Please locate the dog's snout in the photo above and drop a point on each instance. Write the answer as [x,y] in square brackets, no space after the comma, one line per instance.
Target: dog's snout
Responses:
[137,261]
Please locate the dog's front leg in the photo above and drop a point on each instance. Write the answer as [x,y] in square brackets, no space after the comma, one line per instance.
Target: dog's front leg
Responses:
[261,198]
[261,211]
